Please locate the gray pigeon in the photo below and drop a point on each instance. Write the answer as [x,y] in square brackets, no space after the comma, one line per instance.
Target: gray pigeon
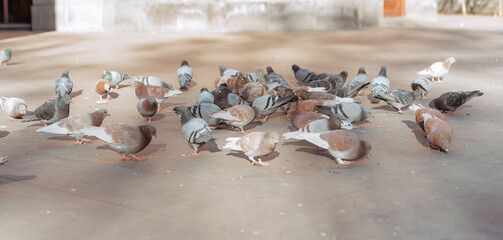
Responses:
[184,75]
[51,111]
[204,111]
[347,111]
[195,130]
[205,96]
[224,98]
[151,80]
[114,77]
[64,85]
[273,77]
[147,107]
[360,81]
[302,75]
[5,55]
[421,85]
[125,138]
[337,80]
[268,104]
[379,84]
[399,98]
[450,101]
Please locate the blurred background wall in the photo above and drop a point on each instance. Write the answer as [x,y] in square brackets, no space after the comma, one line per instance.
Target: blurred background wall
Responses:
[221,15]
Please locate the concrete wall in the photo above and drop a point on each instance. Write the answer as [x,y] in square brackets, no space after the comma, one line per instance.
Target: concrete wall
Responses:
[204,15]
[421,9]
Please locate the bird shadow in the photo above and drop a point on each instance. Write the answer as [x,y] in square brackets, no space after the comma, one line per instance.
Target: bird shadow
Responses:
[113,95]
[69,138]
[210,146]
[75,94]
[37,125]
[418,132]
[121,86]
[291,128]
[386,107]
[152,148]
[157,116]
[170,105]
[192,84]
[4,179]
[314,150]
[3,133]
[15,63]
[264,158]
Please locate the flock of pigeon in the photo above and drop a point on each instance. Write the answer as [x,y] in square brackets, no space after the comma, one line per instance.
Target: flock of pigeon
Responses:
[319,107]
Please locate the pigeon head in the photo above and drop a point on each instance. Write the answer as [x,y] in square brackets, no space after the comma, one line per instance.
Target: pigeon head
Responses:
[335,122]
[365,148]
[361,70]
[148,131]
[269,70]
[136,84]
[368,113]
[451,60]
[8,50]
[383,71]
[295,68]
[304,94]
[184,113]
[222,69]
[344,74]
[102,111]
[184,63]
[151,100]
[65,74]
[65,100]
[432,103]
[204,89]
[272,138]
[416,95]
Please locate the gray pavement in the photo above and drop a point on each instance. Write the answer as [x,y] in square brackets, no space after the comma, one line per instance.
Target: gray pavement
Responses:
[53,189]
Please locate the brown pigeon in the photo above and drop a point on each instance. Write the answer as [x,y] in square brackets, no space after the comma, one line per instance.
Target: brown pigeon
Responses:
[343,145]
[102,87]
[74,123]
[125,138]
[418,112]
[160,93]
[237,116]
[147,107]
[254,144]
[438,132]
[299,119]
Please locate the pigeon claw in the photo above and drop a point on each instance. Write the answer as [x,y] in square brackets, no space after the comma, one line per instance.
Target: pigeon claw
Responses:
[133,158]
[343,162]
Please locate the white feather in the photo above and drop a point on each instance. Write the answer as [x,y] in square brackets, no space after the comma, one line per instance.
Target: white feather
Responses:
[97,132]
[232,143]
[172,93]
[313,138]
[316,89]
[54,128]
[225,115]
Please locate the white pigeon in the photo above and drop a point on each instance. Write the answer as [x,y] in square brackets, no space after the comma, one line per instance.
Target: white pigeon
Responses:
[151,80]
[14,107]
[254,144]
[438,69]
[74,123]
[341,144]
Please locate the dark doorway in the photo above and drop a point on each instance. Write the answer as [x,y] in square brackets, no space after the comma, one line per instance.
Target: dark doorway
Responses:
[17,11]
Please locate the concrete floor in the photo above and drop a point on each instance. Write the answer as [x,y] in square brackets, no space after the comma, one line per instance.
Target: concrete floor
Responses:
[53,189]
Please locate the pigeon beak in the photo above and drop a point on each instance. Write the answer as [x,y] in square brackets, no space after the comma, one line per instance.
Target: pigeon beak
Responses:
[108,114]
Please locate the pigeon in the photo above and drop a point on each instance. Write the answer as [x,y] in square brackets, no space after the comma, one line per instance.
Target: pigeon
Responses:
[114,77]
[308,105]
[64,85]
[125,138]
[268,104]
[360,81]
[205,96]
[160,93]
[237,116]
[343,145]
[5,55]
[418,112]
[300,119]
[254,144]
[252,90]
[261,76]
[224,75]
[224,98]
[302,75]
[273,77]
[147,107]
[337,80]
[450,101]
[322,96]
[438,132]
[102,87]
[399,98]
[236,82]
[51,111]
[320,125]
[438,69]
[195,130]
[74,123]
[379,84]
[421,85]
[14,107]
[184,75]
[349,112]
[204,111]
[151,80]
